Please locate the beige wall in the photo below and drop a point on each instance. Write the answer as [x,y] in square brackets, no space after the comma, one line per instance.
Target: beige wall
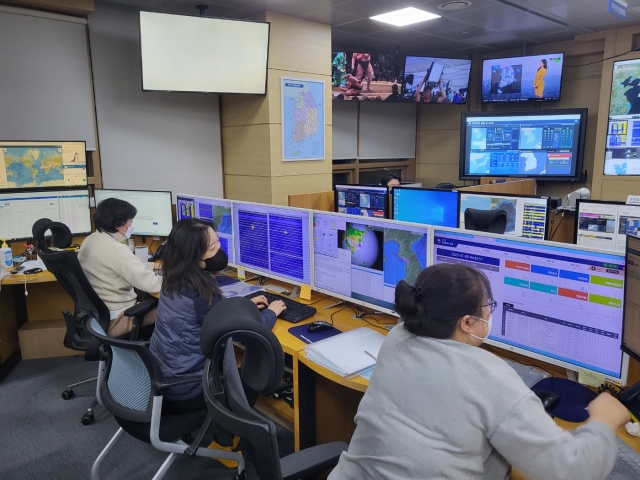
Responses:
[252,127]
[438,140]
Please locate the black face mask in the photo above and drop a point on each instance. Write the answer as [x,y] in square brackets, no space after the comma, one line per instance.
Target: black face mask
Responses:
[217,263]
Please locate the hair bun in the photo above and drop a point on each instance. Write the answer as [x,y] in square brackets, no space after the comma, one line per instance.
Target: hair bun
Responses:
[408,299]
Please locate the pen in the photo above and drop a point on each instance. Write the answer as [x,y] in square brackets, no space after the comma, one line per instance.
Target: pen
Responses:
[371,355]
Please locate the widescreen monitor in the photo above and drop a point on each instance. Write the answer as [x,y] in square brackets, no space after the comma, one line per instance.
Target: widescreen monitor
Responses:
[622,150]
[558,303]
[631,328]
[20,210]
[273,241]
[42,164]
[371,76]
[363,259]
[436,80]
[429,207]
[546,145]
[213,210]
[154,217]
[605,225]
[364,200]
[526,216]
[535,78]
[202,54]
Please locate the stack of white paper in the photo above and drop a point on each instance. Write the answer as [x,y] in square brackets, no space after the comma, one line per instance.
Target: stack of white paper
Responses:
[349,353]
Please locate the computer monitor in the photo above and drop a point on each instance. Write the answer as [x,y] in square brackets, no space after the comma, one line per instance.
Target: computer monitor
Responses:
[363,259]
[631,327]
[558,303]
[421,205]
[20,210]
[367,201]
[526,216]
[605,225]
[42,164]
[547,145]
[436,80]
[273,241]
[154,217]
[214,210]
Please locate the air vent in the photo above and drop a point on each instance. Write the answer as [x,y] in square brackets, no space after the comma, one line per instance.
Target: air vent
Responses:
[533,12]
[454,5]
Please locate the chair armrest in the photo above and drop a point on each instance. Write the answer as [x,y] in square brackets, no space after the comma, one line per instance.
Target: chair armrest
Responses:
[142,308]
[161,387]
[312,460]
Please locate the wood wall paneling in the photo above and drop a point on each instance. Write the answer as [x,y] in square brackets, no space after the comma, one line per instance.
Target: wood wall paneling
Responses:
[248,188]
[247,150]
[283,186]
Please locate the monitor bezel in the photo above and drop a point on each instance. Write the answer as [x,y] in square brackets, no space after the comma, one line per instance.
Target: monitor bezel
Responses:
[393,200]
[576,176]
[363,303]
[558,363]
[581,201]
[136,233]
[50,190]
[530,100]
[230,202]
[266,76]
[515,195]
[387,213]
[627,350]
[404,74]
[262,273]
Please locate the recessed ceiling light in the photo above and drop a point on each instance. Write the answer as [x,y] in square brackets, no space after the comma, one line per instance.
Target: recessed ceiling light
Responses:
[406,16]
[454,5]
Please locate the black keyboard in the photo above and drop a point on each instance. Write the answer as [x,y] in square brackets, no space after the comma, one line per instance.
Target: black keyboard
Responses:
[295,312]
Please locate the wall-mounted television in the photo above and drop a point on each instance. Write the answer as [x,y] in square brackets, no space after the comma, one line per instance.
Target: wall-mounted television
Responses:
[547,145]
[535,78]
[436,80]
[371,77]
[199,54]
[622,153]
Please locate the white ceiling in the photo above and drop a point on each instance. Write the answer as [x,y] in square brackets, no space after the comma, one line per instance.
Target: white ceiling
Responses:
[485,26]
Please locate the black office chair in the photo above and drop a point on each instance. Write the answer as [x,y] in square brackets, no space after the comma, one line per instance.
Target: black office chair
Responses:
[446,186]
[491,221]
[261,371]
[64,265]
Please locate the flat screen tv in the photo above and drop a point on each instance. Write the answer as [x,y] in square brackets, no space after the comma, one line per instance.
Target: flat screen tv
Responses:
[372,77]
[535,78]
[546,145]
[200,54]
[436,80]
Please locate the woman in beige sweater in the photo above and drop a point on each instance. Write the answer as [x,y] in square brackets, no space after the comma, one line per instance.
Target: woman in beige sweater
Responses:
[112,268]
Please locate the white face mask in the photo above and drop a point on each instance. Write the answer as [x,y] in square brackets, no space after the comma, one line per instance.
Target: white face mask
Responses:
[489,322]
[128,233]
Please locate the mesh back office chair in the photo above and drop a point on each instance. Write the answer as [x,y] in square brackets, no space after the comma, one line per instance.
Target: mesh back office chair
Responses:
[491,221]
[262,368]
[66,268]
[131,387]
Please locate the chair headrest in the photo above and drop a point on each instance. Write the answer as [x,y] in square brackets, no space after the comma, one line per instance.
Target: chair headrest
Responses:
[240,319]
[446,186]
[61,236]
[484,218]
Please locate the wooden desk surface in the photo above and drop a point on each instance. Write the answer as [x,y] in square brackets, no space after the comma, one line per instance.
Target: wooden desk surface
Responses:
[20,279]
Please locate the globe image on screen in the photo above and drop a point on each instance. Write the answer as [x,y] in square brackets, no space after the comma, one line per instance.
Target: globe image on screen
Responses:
[363,244]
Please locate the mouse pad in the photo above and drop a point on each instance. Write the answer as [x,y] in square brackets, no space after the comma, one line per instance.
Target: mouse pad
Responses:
[574,398]
[306,336]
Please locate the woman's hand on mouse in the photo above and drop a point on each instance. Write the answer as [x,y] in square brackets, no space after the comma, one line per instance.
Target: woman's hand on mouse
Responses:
[608,410]
[260,301]
[277,307]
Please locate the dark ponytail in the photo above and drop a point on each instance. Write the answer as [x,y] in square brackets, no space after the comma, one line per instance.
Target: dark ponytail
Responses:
[441,296]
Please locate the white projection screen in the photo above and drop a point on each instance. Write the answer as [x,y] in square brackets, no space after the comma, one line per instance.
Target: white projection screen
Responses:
[199,54]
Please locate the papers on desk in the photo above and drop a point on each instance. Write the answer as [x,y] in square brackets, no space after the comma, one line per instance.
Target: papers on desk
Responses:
[349,353]
[28,265]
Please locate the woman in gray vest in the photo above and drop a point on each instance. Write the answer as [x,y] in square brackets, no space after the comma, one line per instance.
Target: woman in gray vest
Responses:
[439,407]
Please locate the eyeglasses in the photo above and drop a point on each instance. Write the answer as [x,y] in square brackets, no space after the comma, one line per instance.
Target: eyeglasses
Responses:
[491,304]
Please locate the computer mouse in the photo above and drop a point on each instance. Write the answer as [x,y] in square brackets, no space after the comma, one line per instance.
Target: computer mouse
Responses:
[32,271]
[318,326]
[549,399]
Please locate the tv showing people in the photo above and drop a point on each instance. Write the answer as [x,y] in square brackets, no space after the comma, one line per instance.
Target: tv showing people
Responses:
[534,144]
[436,80]
[622,153]
[522,79]
[360,76]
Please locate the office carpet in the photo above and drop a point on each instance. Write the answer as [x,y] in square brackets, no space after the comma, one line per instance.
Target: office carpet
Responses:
[41,436]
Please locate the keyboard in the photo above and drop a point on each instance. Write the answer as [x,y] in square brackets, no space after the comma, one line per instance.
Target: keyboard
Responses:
[295,312]
[627,466]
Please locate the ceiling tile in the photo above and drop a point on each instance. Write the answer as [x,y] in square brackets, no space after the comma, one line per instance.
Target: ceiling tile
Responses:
[439,25]
[493,38]
[368,8]
[365,27]
[331,17]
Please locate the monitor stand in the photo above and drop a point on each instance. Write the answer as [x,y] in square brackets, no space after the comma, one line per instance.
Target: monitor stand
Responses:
[340,302]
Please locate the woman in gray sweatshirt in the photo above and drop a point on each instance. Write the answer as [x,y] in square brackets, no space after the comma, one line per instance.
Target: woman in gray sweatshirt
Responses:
[439,407]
